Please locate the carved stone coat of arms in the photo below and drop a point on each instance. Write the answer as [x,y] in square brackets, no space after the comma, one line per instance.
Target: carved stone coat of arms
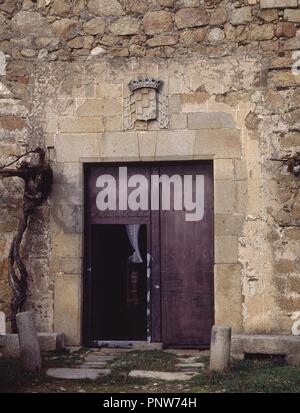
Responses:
[146,102]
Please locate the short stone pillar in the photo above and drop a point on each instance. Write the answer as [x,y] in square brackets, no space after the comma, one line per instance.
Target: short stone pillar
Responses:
[29,346]
[220,348]
[2,323]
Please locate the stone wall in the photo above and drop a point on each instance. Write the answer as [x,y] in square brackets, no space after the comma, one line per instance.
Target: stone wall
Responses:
[64,68]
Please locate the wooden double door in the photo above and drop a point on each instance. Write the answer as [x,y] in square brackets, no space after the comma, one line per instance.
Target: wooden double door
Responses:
[148,267]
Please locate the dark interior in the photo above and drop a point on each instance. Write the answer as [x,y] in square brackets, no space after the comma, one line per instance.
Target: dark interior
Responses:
[119,288]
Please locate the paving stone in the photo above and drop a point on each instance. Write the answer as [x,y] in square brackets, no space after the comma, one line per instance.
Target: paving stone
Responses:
[190,365]
[188,359]
[77,373]
[161,375]
[93,365]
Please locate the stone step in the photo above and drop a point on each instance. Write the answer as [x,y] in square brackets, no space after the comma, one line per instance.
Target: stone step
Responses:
[77,373]
[188,359]
[161,375]
[190,365]
[93,365]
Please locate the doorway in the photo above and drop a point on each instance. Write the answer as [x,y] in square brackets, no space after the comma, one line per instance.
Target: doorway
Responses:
[149,271]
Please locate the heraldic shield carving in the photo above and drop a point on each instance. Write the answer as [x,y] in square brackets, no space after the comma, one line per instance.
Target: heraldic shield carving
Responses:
[146,102]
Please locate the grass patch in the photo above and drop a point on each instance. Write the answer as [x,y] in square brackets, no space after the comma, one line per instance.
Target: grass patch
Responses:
[144,360]
[251,376]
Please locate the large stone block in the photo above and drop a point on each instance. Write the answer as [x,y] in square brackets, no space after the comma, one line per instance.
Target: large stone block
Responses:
[229,224]
[242,344]
[120,145]
[99,107]
[109,90]
[125,26]
[224,197]
[156,22]
[87,124]
[175,144]
[67,307]
[223,169]
[31,23]
[95,26]
[285,79]
[292,15]
[226,249]
[210,120]
[228,296]
[242,15]
[66,245]
[278,4]
[191,17]
[71,147]
[105,7]
[218,143]
[147,144]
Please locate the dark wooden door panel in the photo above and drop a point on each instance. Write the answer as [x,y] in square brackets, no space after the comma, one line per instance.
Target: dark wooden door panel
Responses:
[187,268]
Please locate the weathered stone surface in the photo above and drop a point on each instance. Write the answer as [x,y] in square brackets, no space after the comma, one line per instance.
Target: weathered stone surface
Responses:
[163,40]
[31,23]
[12,123]
[207,120]
[29,346]
[216,35]
[67,311]
[219,17]
[292,15]
[220,348]
[68,28]
[2,323]
[286,29]
[166,3]
[228,309]
[95,26]
[77,373]
[81,124]
[268,15]
[265,344]
[265,32]
[105,7]
[2,64]
[156,22]
[279,4]
[292,44]
[221,143]
[98,51]
[191,17]
[160,375]
[241,16]
[99,107]
[125,26]
[81,42]
[285,79]
[60,7]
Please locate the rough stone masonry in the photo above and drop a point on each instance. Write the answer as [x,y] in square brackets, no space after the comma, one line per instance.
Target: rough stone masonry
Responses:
[230,76]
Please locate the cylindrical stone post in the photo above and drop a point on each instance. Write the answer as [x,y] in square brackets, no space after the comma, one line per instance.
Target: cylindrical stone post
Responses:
[2,323]
[220,348]
[29,346]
